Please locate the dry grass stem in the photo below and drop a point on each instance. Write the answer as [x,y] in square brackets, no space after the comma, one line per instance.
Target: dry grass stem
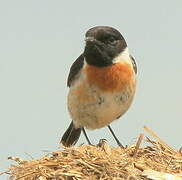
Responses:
[103,162]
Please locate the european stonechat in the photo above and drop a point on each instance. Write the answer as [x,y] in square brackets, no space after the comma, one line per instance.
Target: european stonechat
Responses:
[102,83]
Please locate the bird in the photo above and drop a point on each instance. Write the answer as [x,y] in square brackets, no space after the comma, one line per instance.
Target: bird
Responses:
[102,84]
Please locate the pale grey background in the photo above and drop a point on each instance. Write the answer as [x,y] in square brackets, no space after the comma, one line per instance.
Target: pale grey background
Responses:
[40,39]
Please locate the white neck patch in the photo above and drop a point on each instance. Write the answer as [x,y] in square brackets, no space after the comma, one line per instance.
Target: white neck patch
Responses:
[123,56]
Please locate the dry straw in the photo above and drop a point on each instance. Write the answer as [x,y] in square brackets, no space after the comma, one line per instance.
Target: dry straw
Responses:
[155,161]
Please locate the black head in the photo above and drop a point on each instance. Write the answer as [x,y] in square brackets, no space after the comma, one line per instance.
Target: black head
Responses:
[103,44]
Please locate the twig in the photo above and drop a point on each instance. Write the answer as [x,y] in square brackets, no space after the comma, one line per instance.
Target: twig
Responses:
[5,172]
[138,143]
[153,134]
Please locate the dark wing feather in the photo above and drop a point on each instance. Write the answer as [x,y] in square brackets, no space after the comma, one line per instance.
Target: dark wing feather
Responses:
[134,64]
[75,68]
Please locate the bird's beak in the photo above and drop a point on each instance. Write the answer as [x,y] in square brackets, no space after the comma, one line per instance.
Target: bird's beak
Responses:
[89,39]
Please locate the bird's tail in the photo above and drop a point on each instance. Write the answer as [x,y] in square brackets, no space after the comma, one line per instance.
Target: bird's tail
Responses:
[71,136]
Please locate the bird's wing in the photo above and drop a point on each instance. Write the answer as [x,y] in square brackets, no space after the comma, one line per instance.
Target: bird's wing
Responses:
[75,69]
[134,64]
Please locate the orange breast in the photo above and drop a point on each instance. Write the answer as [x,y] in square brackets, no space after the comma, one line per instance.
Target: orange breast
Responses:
[110,78]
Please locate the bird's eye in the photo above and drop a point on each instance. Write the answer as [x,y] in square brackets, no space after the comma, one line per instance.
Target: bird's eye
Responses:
[111,39]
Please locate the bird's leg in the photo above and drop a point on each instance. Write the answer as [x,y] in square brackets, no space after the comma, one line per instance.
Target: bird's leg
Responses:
[85,134]
[117,140]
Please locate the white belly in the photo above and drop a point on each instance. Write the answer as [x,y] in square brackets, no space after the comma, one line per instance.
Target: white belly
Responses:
[91,108]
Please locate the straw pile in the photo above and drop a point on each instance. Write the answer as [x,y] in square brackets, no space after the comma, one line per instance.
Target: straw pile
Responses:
[103,162]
